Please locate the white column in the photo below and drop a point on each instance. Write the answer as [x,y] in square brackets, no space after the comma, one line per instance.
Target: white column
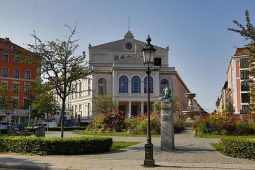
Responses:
[142,107]
[129,109]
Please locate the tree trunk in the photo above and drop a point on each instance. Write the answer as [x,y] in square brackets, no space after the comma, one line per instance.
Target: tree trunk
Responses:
[62,117]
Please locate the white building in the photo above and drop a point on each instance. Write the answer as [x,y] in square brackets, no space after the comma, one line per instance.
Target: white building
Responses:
[117,70]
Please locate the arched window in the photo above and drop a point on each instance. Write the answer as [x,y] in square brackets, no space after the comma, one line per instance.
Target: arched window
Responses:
[122,57]
[101,86]
[146,85]
[123,84]
[136,85]
[163,83]
[116,57]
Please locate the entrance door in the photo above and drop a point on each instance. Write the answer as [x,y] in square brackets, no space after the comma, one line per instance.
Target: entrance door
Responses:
[134,110]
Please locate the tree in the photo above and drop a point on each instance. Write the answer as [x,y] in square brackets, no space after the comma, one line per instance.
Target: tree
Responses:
[60,67]
[104,104]
[43,100]
[248,31]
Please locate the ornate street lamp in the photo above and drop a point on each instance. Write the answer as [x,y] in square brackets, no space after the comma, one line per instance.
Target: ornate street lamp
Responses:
[148,59]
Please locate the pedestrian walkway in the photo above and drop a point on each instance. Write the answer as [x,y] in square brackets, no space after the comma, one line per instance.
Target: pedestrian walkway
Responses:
[190,153]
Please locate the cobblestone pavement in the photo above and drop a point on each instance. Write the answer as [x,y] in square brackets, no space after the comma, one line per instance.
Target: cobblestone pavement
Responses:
[190,153]
[187,150]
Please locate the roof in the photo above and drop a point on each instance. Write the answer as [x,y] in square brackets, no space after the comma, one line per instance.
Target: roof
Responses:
[7,45]
[120,44]
[242,51]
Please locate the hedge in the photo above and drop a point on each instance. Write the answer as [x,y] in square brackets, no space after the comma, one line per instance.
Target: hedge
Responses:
[238,148]
[54,146]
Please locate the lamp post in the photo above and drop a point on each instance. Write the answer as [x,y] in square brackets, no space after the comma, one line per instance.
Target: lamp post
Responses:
[148,59]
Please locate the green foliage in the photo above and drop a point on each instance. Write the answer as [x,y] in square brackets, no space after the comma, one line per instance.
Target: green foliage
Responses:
[103,104]
[54,146]
[138,124]
[220,124]
[43,100]
[238,148]
[109,121]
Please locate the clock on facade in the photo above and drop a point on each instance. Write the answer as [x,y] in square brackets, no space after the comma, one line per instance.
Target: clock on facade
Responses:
[128,45]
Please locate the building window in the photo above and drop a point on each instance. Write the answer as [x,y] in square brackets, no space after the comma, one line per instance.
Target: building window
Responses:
[123,84]
[136,85]
[80,89]
[27,88]
[26,61]
[15,88]
[101,86]
[245,109]
[27,75]
[163,83]
[16,59]
[15,102]
[244,74]
[244,63]
[245,85]
[122,57]
[26,103]
[4,85]
[146,85]
[4,72]
[5,58]
[116,57]
[245,98]
[16,73]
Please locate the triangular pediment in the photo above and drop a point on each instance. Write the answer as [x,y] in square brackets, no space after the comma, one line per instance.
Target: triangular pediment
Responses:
[133,60]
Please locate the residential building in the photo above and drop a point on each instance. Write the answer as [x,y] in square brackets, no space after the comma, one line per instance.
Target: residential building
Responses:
[238,80]
[18,70]
[117,70]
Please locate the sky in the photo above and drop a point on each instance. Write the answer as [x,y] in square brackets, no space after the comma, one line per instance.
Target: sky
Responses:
[195,31]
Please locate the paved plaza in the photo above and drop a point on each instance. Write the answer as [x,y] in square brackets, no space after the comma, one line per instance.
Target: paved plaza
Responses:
[190,153]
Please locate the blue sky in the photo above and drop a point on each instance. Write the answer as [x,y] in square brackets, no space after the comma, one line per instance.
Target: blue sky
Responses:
[195,30]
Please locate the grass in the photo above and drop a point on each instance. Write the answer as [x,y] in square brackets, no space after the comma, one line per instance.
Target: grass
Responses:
[252,137]
[217,146]
[116,145]
[82,132]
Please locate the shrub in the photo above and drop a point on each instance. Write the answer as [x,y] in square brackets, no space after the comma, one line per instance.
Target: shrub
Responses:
[222,124]
[54,146]
[238,148]
[138,124]
[110,121]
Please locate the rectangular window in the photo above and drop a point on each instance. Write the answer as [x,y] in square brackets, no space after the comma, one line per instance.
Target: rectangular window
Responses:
[26,103]
[245,109]
[244,74]
[4,72]
[16,73]
[15,88]
[27,74]
[4,85]
[245,85]
[244,63]
[16,59]
[15,102]
[245,98]
[5,58]
[27,88]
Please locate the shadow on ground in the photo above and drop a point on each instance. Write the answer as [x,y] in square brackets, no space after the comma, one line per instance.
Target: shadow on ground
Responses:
[21,163]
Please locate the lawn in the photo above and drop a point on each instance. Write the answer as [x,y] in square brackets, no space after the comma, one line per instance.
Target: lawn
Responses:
[81,132]
[116,145]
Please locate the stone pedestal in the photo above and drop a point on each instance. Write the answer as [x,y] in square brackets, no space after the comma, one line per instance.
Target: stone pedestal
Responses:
[167,127]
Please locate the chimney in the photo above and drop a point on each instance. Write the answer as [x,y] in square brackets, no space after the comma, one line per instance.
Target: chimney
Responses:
[7,39]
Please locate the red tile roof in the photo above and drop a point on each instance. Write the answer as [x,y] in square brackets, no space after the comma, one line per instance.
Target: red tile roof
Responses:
[7,45]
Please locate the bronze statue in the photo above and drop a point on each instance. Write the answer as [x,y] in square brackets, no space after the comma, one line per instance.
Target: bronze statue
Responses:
[167,95]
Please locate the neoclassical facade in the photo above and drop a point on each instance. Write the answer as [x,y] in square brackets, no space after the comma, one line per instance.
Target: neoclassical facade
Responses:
[117,70]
